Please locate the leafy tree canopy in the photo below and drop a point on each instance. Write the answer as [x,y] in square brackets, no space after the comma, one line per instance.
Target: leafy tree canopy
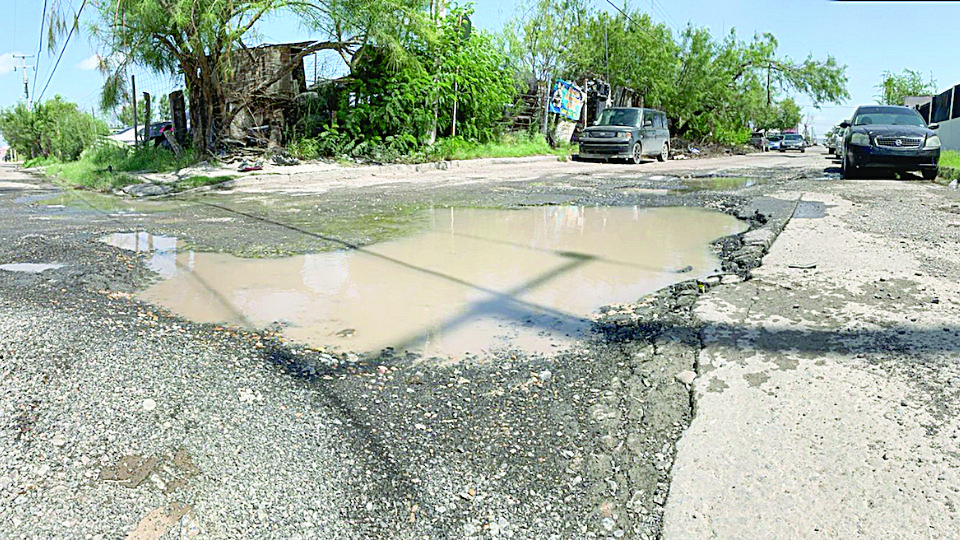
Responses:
[202,39]
[54,128]
[895,87]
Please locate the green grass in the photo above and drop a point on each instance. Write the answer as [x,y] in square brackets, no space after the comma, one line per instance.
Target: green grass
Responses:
[510,145]
[199,181]
[402,151]
[110,167]
[950,158]
[949,166]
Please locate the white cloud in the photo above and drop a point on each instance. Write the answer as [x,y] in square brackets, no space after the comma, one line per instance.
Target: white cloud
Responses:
[91,63]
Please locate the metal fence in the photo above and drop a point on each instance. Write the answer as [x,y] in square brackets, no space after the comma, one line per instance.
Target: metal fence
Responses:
[944,106]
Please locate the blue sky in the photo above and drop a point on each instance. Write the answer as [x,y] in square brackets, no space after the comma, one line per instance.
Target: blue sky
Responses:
[869,37]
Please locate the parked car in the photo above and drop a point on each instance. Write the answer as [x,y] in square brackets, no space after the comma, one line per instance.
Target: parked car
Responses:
[758,140]
[125,135]
[831,141]
[841,133]
[627,133]
[793,141]
[773,142]
[889,137]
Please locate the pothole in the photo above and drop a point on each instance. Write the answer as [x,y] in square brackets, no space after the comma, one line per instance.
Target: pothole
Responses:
[475,281]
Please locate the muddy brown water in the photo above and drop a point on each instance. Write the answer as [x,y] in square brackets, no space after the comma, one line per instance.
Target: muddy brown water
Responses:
[475,281]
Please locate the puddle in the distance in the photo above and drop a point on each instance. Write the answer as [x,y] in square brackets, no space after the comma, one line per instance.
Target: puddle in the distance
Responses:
[30,268]
[477,280]
[85,201]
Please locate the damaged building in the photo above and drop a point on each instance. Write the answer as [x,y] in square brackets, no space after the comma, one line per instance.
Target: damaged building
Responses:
[262,114]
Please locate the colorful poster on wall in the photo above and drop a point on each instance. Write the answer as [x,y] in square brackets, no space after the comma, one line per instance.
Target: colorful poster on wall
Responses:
[567,100]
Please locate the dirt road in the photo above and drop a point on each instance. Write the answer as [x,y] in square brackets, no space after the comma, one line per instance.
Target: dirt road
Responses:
[122,419]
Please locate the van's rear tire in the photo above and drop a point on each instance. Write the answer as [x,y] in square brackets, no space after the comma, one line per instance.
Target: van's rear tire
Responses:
[664,152]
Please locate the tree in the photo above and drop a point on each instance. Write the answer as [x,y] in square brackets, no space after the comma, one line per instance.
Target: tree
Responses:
[538,41]
[201,39]
[722,85]
[54,128]
[454,71]
[635,52]
[894,88]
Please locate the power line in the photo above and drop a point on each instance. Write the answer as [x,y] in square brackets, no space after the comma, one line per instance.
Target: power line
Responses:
[69,35]
[636,25]
[665,15]
[43,19]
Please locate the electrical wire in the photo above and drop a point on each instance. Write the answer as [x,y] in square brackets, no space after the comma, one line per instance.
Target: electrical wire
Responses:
[636,25]
[65,43]
[665,14]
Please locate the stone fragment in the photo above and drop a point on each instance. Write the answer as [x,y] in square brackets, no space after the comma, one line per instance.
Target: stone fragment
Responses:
[161,520]
[686,377]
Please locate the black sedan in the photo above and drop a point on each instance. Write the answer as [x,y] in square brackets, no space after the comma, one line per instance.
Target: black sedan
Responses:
[891,138]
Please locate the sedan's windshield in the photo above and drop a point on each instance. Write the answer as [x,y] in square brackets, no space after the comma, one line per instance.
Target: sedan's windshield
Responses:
[774,138]
[794,138]
[619,117]
[888,117]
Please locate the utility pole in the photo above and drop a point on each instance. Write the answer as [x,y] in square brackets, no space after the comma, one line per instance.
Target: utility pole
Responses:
[23,68]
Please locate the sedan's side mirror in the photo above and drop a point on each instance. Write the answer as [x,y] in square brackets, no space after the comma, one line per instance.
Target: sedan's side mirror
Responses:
[844,124]
[935,125]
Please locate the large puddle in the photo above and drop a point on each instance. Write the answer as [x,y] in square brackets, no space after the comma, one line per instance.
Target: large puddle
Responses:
[477,280]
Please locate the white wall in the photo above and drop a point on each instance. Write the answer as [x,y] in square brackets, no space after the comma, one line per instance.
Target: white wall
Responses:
[950,134]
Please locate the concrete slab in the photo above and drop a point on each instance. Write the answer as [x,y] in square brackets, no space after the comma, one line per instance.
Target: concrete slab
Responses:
[825,402]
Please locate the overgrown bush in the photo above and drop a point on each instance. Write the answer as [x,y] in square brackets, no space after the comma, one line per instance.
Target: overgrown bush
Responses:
[108,166]
[55,128]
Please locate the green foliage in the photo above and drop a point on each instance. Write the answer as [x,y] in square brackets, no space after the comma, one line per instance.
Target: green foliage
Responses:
[333,145]
[472,77]
[950,158]
[385,111]
[733,83]
[508,145]
[202,41]
[539,39]
[109,166]
[894,88]
[636,53]
[708,87]
[55,128]
[731,135]
[780,116]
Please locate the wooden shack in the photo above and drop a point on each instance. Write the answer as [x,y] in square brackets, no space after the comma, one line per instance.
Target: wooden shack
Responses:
[263,113]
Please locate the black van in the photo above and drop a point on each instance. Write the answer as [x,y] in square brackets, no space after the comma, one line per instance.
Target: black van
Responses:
[628,133]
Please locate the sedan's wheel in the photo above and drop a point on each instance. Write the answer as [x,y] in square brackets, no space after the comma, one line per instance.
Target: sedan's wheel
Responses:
[664,152]
[929,174]
[847,169]
[637,153]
